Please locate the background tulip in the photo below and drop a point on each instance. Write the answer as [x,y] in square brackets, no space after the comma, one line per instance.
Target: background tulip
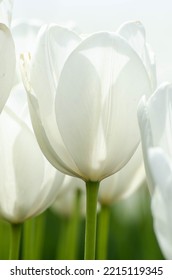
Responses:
[155,126]
[29,184]
[25,190]
[124,182]
[65,201]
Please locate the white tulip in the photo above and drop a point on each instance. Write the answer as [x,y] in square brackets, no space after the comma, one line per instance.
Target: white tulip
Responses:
[155,118]
[28,183]
[83,96]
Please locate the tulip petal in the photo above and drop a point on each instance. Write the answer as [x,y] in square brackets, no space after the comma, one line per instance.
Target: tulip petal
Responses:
[16,177]
[37,181]
[7,63]
[44,143]
[28,178]
[29,184]
[134,33]
[124,182]
[54,45]
[161,224]
[161,168]
[161,101]
[96,103]
[49,191]
[147,138]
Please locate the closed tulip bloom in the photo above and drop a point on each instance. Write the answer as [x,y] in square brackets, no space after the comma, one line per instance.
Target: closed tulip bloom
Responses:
[155,126]
[28,183]
[83,96]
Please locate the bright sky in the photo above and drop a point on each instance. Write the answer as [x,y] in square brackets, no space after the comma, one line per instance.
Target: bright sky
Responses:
[94,15]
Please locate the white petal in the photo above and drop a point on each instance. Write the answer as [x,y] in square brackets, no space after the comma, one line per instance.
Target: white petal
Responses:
[65,201]
[146,138]
[19,180]
[96,102]
[134,33]
[48,191]
[159,110]
[54,45]
[17,100]
[29,172]
[124,182]
[161,224]
[7,63]
[161,169]
[29,184]
[44,143]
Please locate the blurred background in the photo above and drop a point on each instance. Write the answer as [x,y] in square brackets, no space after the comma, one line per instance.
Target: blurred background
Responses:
[94,15]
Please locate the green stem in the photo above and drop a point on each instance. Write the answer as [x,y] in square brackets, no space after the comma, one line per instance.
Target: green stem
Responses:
[91,217]
[15,241]
[103,232]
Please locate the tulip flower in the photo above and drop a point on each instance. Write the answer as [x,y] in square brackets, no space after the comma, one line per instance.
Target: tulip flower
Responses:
[155,125]
[29,184]
[83,96]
